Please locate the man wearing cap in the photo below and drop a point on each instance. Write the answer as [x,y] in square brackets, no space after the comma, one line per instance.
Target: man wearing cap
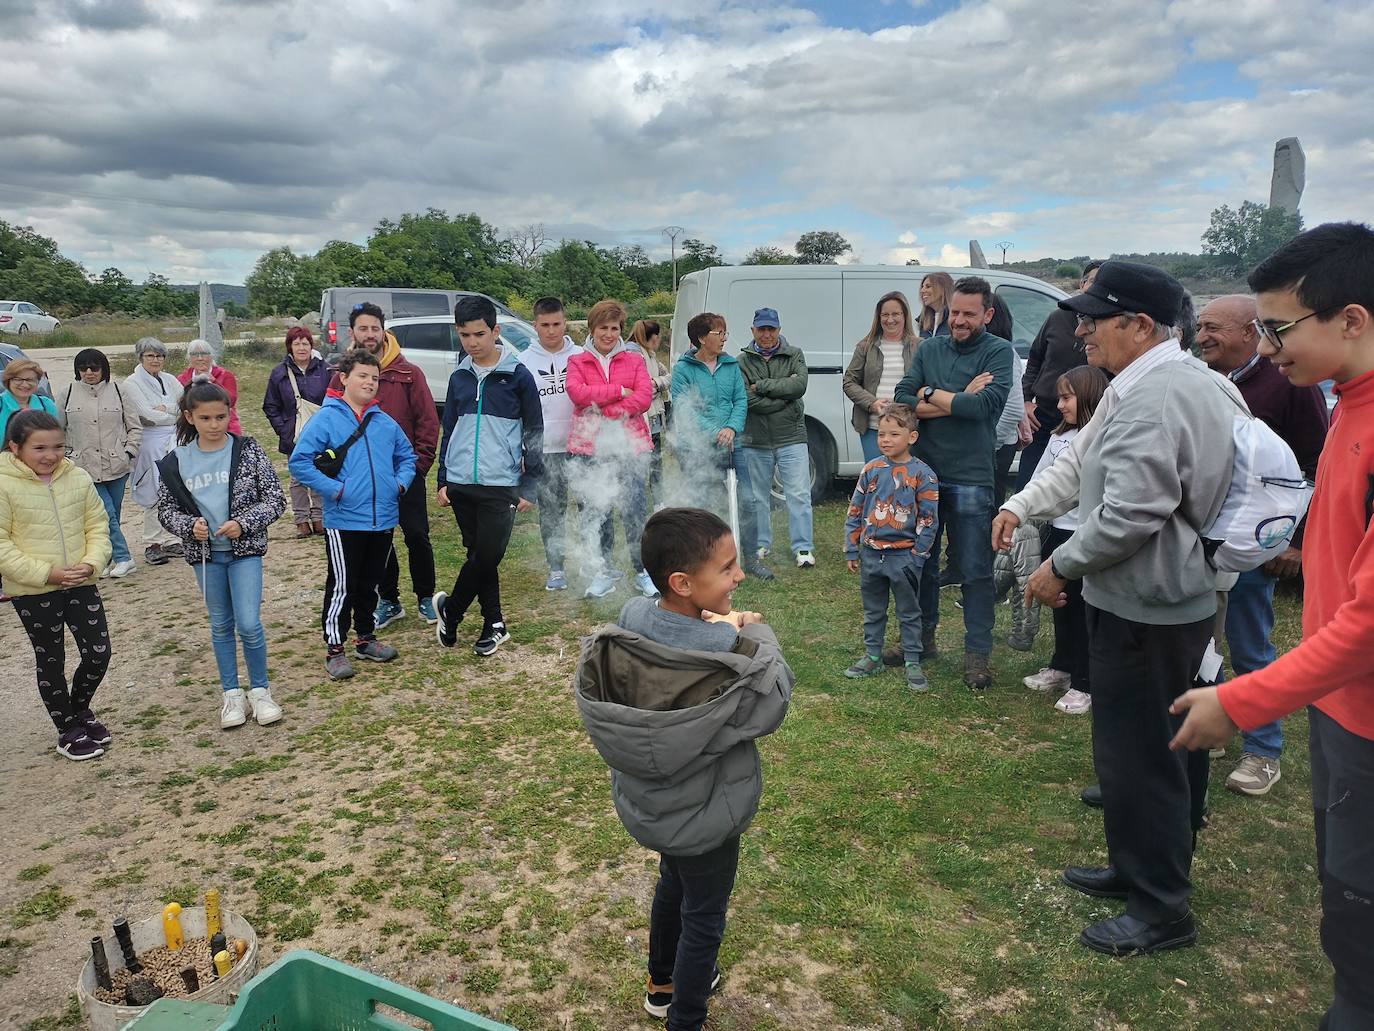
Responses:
[774,441]
[1154,466]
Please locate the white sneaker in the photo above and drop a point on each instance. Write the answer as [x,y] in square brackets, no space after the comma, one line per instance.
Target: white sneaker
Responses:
[265,710]
[106,571]
[761,554]
[122,569]
[806,560]
[1075,703]
[1048,680]
[235,711]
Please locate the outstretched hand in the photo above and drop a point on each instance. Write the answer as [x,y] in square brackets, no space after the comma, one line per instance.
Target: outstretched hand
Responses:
[1003,526]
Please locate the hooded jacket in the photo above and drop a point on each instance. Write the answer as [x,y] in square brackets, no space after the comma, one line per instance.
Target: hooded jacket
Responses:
[493,431]
[403,393]
[279,402]
[377,468]
[598,396]
[256,500]
[43,525]
[776,414]
[707,402]
[677,729]
[9,408]
[103,432]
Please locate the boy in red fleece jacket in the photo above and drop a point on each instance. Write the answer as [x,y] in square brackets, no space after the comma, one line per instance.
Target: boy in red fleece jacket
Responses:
[1316,309]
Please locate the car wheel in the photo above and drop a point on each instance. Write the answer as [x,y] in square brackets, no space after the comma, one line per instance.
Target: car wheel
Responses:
[54,327]
[23,328]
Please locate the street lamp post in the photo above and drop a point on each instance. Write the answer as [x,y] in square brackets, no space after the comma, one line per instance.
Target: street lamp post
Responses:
[673,232]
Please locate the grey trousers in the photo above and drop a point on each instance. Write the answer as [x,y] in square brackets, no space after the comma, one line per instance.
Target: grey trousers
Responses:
[894,572]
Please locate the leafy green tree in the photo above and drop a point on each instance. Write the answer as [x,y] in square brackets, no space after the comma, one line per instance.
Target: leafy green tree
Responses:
[272,283]
[581,274]
[768,256]
[433,250]
[1243,238]
[20,242]
[821,247]
[55,283]
[114,291]
[157,299]
[697,255]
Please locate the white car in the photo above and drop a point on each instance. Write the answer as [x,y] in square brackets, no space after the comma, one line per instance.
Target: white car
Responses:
[430,342]
[21,317]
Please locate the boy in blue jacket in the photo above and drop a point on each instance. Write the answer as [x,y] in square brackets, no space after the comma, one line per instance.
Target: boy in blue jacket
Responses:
[490,459]
[361,505]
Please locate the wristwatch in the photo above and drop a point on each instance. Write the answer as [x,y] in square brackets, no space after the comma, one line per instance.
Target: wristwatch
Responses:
[927,393]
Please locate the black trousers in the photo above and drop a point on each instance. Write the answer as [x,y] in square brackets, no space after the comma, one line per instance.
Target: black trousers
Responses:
[1343,805]
[1030,454]
[1070,622]
[357,559]
[1149,794]
[45,618]
[415,531]
[1006,454]
[485,517]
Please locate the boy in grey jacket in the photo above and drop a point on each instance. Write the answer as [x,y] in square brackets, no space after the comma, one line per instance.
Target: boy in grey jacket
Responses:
[673,698]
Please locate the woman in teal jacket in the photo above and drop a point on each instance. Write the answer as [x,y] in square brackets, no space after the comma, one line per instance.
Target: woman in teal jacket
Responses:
[21,385]
[709,402]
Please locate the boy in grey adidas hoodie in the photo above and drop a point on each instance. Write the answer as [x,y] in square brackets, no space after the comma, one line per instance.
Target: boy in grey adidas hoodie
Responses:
[673,698]
[548,364]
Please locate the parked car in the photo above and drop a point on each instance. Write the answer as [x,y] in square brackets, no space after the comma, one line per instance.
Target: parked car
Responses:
[430,342]
[8,353]
[21,317]
[396,303]
[825,310]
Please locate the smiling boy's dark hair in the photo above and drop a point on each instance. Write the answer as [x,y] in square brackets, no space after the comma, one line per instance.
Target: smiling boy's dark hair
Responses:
[1327,267]
[678,540]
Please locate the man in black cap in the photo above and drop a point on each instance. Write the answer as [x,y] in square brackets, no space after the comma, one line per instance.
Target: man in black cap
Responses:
[1154,466]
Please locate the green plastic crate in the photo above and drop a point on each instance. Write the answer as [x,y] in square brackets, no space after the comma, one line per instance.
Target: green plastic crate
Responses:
[304,991]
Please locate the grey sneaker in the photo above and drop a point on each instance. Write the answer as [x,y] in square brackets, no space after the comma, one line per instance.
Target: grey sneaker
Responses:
[915,679]
[1020,640]
[758,571]
[338,667]
[1254,775]
[371,648]
[865,667]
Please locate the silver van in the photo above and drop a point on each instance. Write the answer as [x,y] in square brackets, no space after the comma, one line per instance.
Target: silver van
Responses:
[825,310]
[337,302]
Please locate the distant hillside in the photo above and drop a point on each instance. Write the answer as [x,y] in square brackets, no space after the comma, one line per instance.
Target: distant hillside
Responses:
[222,292]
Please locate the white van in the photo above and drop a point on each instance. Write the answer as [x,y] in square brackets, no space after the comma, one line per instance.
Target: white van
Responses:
[825,310]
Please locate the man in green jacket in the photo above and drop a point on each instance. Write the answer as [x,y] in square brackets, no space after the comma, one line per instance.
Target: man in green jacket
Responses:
[774,440]
[958,385]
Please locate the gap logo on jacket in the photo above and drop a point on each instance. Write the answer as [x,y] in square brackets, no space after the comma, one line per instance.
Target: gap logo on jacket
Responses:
[376,470]
[493,432]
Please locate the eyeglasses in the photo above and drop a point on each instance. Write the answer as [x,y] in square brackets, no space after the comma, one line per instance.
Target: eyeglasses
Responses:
[25,379]
[1274,334]
[720,333]
[1089,322]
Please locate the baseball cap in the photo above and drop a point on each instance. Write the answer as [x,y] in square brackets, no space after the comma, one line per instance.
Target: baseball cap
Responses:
[1128,286]
[766,317]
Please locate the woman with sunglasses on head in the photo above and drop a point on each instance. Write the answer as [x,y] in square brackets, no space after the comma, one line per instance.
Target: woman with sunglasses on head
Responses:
[104,433]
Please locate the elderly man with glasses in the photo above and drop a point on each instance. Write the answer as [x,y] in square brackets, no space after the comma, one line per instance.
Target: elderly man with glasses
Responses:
[1152,466]
[1228,337]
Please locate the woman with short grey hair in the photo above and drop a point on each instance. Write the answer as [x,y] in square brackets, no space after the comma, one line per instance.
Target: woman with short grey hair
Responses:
[156,396]
[201,365]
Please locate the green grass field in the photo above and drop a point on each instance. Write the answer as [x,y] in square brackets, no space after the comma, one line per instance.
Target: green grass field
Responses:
[902,872]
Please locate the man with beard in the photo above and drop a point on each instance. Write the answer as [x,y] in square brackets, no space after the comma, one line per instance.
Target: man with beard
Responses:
[958,385]
[404,395]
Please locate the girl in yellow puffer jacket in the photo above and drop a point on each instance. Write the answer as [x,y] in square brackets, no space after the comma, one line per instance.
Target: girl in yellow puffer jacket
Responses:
[54,539]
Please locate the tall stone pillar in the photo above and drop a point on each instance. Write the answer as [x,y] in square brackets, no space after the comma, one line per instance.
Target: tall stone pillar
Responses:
[209,322]
[1290,175]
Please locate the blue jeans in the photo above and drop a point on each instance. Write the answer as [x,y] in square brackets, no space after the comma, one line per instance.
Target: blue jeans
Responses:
[686,926]
[793,465]
[966,515]
[1249,622]
[233,594]
[868,440]
[112,496]
[897,571]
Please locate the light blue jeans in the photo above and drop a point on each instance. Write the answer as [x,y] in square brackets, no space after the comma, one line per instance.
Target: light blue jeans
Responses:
[112,496]
[868,440]
[793,465]
[1249,622]
[233,594]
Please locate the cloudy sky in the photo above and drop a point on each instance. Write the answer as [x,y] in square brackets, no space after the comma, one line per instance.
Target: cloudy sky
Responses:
[186,137]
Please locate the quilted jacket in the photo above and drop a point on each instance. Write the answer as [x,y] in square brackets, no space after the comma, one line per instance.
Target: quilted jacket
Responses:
[43,525]
[256,501]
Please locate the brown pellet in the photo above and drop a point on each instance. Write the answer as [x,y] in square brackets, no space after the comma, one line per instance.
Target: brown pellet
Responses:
[164,969]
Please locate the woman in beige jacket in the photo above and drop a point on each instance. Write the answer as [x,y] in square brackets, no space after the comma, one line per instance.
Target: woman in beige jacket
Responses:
[103,436]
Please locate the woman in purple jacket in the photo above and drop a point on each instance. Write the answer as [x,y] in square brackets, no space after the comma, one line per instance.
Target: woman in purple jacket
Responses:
[302,376]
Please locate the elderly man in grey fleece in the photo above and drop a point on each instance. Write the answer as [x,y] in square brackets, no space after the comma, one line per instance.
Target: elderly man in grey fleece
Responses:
[1148,472]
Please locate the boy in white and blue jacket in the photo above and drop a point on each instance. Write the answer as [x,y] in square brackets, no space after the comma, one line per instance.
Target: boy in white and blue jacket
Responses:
[491,456]
[361,505]
[887,538]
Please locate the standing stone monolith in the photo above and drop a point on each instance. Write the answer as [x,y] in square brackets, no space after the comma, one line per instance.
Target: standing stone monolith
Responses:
[1290,175]
[975,255]
[209,324]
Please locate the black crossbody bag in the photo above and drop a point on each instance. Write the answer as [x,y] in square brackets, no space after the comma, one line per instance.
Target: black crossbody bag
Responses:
[330,461]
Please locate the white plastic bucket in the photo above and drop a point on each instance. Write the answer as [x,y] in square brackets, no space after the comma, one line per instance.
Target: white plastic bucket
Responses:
[148,934]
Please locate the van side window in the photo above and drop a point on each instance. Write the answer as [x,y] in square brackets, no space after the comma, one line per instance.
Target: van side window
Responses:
[404,305]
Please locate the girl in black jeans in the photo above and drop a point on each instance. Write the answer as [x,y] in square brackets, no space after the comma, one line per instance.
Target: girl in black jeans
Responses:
[54,540]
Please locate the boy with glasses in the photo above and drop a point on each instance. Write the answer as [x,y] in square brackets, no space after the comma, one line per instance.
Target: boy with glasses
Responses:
[1315,297]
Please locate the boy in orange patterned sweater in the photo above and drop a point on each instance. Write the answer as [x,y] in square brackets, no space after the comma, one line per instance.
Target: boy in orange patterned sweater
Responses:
[887,538]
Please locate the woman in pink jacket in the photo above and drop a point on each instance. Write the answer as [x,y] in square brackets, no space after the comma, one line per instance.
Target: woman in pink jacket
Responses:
[610,389]
[201,364]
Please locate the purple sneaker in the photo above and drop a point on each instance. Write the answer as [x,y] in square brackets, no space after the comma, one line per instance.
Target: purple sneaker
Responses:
[95,730]
[76,746]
